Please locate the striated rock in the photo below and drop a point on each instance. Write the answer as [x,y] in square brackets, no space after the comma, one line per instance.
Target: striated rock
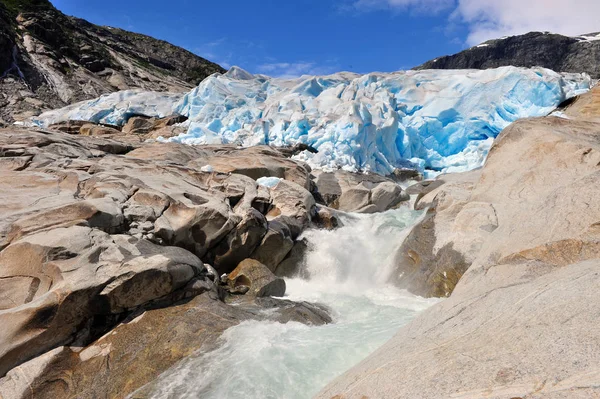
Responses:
[260,280]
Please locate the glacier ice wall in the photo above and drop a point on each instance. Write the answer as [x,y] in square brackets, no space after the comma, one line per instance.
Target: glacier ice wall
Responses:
[437,120]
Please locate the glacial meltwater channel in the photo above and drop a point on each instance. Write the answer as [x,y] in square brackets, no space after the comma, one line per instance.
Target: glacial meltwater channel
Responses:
[349,270]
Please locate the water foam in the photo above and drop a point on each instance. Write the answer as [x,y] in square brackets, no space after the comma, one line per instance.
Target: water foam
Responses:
[349,269]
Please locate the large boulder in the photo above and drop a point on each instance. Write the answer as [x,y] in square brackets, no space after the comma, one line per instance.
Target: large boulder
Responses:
[256,162]
[240,242]
[139,125]
[352,192]
[258,278]
[54,282]
[293,206]
[517,247]
[275,246]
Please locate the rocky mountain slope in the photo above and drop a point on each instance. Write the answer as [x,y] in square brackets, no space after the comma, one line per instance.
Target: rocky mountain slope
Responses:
[552,51]
[49,60]
[524,230]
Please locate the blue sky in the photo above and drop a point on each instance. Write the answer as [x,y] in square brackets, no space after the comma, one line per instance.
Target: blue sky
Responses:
[293,37]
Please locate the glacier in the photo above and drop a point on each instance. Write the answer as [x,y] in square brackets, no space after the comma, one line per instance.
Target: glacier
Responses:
[437,121]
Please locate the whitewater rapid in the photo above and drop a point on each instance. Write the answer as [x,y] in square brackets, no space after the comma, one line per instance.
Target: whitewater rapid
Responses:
[349,269]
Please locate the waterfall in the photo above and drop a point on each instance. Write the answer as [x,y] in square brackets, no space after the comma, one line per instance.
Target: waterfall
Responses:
[349,269]
[14,66]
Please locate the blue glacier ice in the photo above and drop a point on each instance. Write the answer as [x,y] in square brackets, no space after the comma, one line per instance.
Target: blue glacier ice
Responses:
[436,120]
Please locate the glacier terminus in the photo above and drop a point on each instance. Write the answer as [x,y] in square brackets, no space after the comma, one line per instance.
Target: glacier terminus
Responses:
[437,121]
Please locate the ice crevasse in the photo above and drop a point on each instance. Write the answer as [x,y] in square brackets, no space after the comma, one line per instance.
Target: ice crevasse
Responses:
[435,120]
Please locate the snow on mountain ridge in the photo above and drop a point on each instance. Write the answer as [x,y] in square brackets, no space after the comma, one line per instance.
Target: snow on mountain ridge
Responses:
[440,120]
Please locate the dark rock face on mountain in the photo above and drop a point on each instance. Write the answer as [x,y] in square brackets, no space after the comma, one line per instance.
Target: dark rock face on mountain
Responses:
[556,52]
[48,60]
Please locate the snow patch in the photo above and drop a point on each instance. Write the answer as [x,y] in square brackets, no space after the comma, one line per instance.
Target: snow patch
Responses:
[269,182]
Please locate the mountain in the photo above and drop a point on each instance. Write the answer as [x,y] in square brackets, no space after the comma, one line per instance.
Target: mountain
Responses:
[48,60]
[552,51]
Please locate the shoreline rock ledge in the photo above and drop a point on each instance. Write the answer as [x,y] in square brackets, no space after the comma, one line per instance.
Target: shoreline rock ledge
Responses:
[516,247]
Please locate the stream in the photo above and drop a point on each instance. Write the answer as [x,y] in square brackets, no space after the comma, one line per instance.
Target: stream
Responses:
[349,269]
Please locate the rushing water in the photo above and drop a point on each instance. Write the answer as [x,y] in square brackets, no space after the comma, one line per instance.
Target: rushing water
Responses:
[348,268]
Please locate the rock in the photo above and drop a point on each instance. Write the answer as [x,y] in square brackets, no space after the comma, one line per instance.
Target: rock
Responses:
[293,264]
[275,245]
[53,60]
[200,224]
[355,198]
[586,106]
[240,242]
[327,218]
[256,162]
[72,274]
[387,195]
[300,312]
[70,127]
[96,231]
[405,174]
[258,277]
[97,130]
[350,192]
[293,206]
[166,132]
[169,121]
[430,263]
[139,125]
[424,187]
[468,344]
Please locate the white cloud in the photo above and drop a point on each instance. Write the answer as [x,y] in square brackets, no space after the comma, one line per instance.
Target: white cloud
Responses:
[289,70]
[488,19]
